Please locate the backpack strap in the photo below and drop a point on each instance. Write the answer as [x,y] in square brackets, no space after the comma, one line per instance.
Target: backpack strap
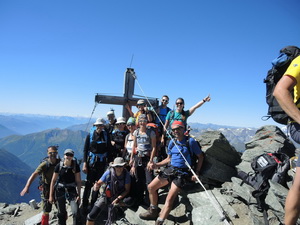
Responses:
[188,139]
[92,132]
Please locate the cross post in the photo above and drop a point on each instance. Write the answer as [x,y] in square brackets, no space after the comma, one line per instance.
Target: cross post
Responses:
[127,97]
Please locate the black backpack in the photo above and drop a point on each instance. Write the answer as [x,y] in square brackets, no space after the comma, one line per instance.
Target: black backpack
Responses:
[268,166]
[280,65]
[46,159]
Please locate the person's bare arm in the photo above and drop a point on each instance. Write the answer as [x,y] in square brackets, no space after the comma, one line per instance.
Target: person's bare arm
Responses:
[193,108]
[282,93]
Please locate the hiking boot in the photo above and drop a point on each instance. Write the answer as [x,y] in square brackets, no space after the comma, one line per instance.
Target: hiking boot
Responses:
[150,214]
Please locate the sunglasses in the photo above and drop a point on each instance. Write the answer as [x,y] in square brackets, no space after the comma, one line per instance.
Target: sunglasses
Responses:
[121,123]
[52,153]
[142,121]
[118,166]
[130,125]
[164,100]
[179,103]
[176,129]
[69,154]
[140,105]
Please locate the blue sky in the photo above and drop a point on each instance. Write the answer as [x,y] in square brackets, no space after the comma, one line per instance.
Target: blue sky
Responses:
[56,55]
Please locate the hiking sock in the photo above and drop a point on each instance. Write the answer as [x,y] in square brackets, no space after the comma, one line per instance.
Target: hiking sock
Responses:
[153,206]
[159,221]
[45,219]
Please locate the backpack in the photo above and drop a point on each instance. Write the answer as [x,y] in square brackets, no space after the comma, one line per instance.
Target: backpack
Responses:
[41,182]
[74,164]
[112,181]
[61,165]
[92,131]
[280,65]
[153,127]
[112,192]
[194,158]
[267,166]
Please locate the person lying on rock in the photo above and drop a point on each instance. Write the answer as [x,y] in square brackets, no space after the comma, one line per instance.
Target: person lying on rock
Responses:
[177,174]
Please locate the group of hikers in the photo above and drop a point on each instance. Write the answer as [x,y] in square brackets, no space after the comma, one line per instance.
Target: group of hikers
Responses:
[119,158]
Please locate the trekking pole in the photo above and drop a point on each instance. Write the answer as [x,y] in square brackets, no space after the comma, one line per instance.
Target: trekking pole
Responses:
[223,216]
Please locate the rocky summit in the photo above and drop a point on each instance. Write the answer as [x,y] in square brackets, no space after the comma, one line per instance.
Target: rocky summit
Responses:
[221,198]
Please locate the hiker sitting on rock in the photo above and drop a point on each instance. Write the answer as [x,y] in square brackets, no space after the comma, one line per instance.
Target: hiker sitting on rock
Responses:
[117,181]
[178,173]
[45,169]
[66,185]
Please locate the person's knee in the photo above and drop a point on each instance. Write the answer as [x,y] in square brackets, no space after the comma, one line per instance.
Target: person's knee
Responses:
[91,216]
[152,187]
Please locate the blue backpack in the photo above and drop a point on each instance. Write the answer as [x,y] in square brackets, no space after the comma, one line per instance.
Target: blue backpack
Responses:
[280,65]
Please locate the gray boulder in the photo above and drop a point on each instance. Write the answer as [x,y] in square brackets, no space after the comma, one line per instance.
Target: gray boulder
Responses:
[220,158]
[266,139]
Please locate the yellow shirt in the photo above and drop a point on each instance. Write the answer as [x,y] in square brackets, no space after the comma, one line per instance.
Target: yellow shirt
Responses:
[294,71]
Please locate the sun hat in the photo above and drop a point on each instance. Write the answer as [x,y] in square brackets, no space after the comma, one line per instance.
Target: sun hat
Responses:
[111,112]
[121,120]
[69,151]
[141,102]
[100,121]
[119,161]
[131,121]
[177,124]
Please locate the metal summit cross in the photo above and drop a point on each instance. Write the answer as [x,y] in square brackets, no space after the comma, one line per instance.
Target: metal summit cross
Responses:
[127,97]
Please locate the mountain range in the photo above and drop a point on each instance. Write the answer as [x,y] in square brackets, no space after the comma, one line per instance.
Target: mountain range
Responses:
[24,144]
[32,148]
[13,175]
[27,123]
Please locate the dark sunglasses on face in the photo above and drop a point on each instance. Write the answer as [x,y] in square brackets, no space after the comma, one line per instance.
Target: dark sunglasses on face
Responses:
[164,100]
[176,129]
[118,166]
[52,153]
[121,123]
[140,105]
[69,154]
[130,125]
[179,103]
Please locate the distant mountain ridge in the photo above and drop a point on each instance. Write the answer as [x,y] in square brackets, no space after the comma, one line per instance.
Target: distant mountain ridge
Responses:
[28,123]
[13,175]
[4,131]
[237,136]
[32,148]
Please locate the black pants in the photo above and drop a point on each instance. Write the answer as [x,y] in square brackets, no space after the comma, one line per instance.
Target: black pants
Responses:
[102,205]
[93,175]
[143,178]
[61,196]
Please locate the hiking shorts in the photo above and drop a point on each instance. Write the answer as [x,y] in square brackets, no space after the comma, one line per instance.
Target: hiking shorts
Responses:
[46,205]
[178,176]
[294,131]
